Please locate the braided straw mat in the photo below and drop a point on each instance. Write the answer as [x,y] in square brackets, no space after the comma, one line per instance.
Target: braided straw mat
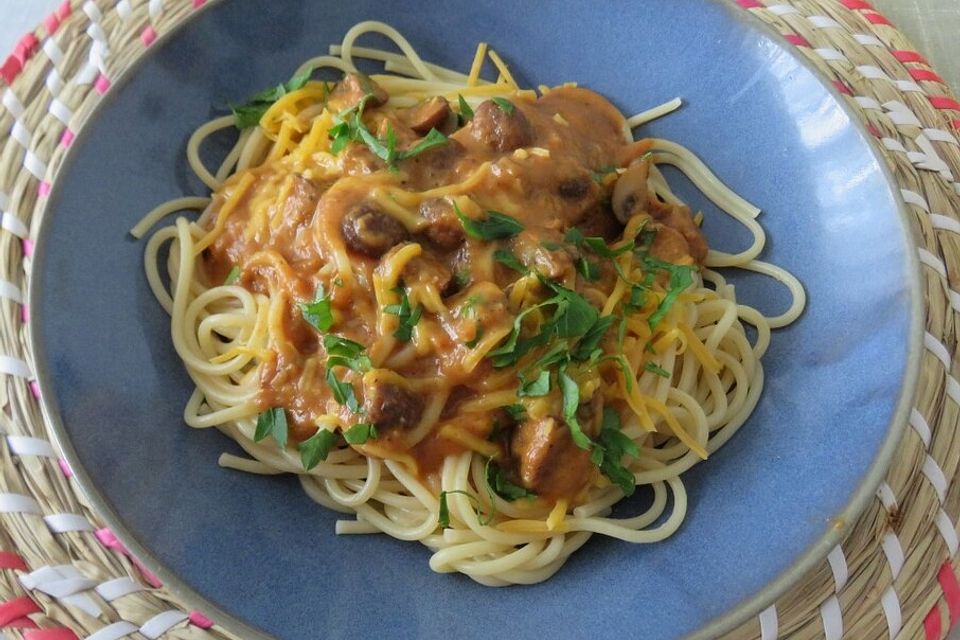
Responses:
[63,576]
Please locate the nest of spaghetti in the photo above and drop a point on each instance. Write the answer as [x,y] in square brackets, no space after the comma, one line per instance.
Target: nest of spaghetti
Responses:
[469,314]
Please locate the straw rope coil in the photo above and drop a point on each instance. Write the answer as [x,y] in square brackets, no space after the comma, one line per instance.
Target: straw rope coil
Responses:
[63,576]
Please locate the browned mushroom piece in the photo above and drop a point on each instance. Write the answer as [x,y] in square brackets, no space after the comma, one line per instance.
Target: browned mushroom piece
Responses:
[432,113]
[351,90]
[548,462]
[631,192]
[388,406]
[370,231]
[535,250]
[442,226]
[499,128]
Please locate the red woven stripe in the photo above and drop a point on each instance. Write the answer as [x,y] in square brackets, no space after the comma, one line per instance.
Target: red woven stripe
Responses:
[855,5]
[909,56]
[932,627]
[842,87]
[10,560]
[951,590]
[50,634]
[926,74]
[17,608]
[750,4]
[64,9]
[944,102]
[797,40]
[51,23]
[955,124]
[875,18]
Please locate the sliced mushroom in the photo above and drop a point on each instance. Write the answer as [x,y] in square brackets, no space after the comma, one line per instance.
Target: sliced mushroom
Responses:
[630,193]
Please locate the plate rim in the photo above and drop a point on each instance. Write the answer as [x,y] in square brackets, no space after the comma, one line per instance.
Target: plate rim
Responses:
[843,521]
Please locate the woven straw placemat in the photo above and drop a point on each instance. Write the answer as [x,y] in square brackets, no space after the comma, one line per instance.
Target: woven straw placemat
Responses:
[63,576]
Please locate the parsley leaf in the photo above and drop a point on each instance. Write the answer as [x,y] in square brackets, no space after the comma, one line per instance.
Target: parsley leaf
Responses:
[248,114]
[608,455]
[408,317]
[505,105]
[318,313]
[591,339]
[433,139]
[233,276]
[466,113]
[496,226]
[654,368]
[597,245]
[575,314]
[516,411]
[316,448]
[507,259]
[343,392]
[570,392]
[681,277]
[497,480]
[345,353]
[539,386]
[443,518]
[272,422]
[360,433]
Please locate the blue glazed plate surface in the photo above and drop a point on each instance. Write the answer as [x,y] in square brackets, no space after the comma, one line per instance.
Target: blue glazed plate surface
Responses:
[256,551]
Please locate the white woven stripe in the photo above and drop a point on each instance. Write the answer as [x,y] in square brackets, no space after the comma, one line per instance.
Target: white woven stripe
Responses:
[769,624]
[907,86]
[96,32]
[13,224]
[921,426]
[894,552]
[155,8]
[891,610]
[871,72]
[92,11]
[932,156]
[912,197]
[114,631]
[4,200]
[838,566]
[900,114]
[938,349]
[12,103]
[867,102]
[893,145]
[160,623]
[953,389]
[27,446]
[60,111]
[936,477]
[868,40]
[67,522]
[832,618]
[10,291]
[54,83]
[887,497]
[829,54]
[124,10]
[35,165]
[14,367]
[17,503]
[117,588]
[932,261]
[944,223]
[21,134]
[824,22]
[940,135]
[89,72]
[65,583]
[947,531]
[782,9]
[53,51]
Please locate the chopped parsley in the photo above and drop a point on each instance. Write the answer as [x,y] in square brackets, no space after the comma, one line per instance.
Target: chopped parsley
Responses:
[272,422]
[408,317]
[656,369]
[343,392]
[570,392]
[610,449]
[505,105]
[499,483]
[233,276]
[345,353]
[466,113]
[443,518]
[538,387]
[316,448]
[517,412]
[496,226]
[318,313]
[507,259]
[360,433]
[249,113]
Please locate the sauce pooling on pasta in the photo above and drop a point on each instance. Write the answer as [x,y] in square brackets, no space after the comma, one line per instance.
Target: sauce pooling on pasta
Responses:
[444,279]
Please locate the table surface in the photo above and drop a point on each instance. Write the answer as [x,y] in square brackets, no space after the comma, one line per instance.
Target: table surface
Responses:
[932,25]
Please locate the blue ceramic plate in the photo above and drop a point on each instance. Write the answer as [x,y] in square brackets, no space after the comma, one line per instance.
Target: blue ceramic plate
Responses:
[256,551]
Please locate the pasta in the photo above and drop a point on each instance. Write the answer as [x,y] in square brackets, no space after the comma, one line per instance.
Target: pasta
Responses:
[464,313]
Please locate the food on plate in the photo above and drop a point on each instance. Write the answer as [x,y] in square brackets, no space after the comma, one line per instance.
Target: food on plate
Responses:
[469,314]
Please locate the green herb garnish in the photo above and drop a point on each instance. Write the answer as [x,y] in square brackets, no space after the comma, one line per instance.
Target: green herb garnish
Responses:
[343,392]
[466,113]
[345,353]
[316,448]
[360,433]
[609,451]
[233,276]
[318,313]
[570,392]
[249,114]
[272,422]
[509,260]
[538,387]
[505,105]
[516,411]
[656,369]
[496,226]
[499,483]
[408,317]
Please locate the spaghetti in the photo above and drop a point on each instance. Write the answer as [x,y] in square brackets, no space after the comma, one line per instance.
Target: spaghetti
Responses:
[466,313]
